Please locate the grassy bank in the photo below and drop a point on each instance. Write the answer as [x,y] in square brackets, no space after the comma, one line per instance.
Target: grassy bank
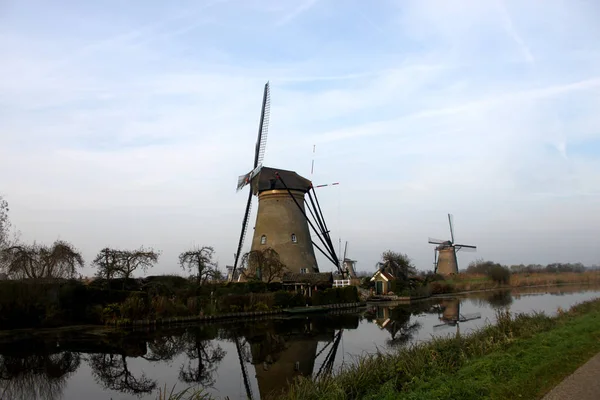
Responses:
[522,356]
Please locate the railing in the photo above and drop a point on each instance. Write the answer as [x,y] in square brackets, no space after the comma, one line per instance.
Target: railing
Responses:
[341,282]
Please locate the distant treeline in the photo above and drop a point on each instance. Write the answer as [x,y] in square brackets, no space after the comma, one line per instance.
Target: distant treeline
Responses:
[483,267]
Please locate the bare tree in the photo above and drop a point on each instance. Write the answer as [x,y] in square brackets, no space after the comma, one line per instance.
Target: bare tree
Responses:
[122,263]
[263,264]
[35,261]
[133,260]
[200,262]
[4,223]
[107,263]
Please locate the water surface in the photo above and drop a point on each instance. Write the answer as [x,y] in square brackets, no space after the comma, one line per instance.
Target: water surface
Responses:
[238,358]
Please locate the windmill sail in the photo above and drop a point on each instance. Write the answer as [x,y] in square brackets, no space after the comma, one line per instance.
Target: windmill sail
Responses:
[259,153]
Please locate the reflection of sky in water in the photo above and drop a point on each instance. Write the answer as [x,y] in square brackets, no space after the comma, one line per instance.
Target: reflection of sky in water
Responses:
[367,338]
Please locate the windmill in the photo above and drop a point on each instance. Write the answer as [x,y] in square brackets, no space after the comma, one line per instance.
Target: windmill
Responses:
[282,220]
[348,264]
[444,254]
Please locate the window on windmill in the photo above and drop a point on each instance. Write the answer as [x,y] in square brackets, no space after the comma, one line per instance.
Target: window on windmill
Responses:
[303,270]
[263,239]
[294,238]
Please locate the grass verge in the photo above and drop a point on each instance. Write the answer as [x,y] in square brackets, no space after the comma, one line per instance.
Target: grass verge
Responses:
[521,356]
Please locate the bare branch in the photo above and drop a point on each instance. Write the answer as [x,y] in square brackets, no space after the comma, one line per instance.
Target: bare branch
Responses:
[264,265]
[200,262]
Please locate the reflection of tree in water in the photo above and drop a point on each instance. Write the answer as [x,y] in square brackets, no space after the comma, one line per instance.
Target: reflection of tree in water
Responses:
[41,376]
[165,348]
[496,299]
[500,299]
[396,321]
[111,370]
[399,327]
[199,346]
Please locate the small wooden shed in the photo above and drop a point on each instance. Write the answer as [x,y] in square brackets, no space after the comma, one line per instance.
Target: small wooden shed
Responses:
[383,282]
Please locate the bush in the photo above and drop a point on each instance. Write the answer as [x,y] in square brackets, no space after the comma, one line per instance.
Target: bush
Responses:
[134,308]
[441,288]
[499,274]
[284,299]
[348,294]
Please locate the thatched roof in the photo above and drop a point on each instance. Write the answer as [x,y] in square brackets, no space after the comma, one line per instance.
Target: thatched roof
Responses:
[317,278]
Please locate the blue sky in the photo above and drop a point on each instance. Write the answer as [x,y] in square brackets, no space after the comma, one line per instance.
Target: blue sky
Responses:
[127,123]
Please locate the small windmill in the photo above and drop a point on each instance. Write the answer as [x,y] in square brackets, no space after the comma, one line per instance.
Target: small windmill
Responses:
[282,221]
[444,254]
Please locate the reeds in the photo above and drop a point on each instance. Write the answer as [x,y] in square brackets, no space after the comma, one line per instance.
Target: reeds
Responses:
[186,394]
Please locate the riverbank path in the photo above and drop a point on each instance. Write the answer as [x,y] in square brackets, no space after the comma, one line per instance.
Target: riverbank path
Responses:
[583,384]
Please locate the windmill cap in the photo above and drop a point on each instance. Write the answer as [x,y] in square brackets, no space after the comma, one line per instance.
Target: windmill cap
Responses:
[274,179]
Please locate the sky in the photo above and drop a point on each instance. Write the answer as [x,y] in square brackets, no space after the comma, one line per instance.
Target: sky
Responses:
[125,124]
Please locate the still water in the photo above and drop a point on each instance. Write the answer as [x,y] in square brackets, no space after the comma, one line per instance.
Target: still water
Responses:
[244,358]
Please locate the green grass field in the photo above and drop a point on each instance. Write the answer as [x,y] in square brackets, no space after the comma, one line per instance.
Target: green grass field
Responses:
[521,357]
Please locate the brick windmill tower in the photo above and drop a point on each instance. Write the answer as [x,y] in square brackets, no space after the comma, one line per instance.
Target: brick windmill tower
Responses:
[445,262]
[285,201]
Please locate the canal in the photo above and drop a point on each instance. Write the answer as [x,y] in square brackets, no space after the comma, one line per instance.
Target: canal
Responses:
[244,357]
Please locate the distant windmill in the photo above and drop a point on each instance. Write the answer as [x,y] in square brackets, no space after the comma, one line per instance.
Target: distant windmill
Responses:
[444,254]
[282,220]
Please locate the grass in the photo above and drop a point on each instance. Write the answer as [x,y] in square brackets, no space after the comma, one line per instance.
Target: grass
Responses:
[521,356]
[186,394]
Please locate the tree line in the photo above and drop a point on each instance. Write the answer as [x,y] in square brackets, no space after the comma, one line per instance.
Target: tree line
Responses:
[481,266]
[62,259]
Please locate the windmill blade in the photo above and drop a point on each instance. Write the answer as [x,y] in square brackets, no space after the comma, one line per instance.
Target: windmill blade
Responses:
[440,326]
[436,241]
[263,127]
[327,184]
[243,233]
[451,222]
[434,260]
[469,317]
[465,247]
[243,180]
[259,153]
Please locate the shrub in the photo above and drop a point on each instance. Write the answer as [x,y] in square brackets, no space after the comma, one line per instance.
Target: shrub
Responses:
[284,299]
[348,294]
[441,288]
[134,307]
[499,274]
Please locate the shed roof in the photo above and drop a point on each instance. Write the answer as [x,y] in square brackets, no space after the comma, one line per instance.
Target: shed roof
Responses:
[385,275]
[315,278]
[267,180]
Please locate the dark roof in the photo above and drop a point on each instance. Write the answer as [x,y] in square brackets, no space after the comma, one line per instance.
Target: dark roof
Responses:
[312,278]
[266,180]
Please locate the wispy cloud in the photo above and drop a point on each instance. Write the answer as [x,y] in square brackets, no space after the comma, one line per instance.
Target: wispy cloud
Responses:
[514,34]
[302,8]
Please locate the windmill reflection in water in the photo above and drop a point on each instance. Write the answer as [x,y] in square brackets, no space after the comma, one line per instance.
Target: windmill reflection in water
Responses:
[449,314]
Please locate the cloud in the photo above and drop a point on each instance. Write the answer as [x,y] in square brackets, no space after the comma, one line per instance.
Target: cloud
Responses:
[140,134]
[302,8]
